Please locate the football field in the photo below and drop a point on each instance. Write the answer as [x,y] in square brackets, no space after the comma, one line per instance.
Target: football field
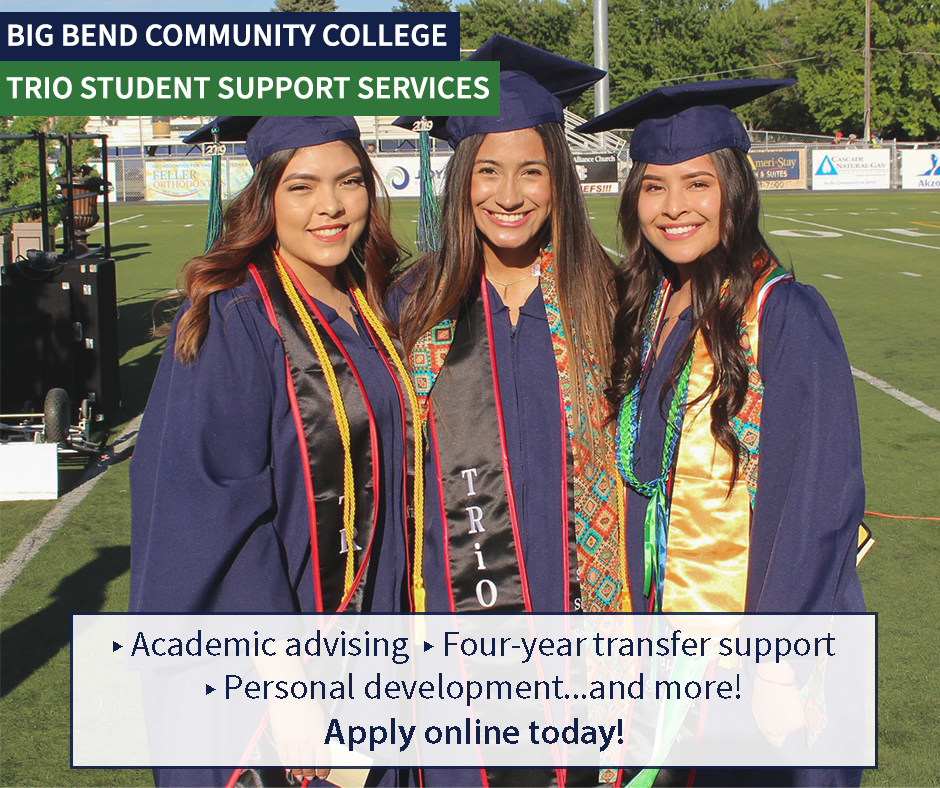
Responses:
[874,257]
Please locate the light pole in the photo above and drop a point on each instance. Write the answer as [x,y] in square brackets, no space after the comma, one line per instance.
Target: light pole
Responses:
[601,58]
[867,111]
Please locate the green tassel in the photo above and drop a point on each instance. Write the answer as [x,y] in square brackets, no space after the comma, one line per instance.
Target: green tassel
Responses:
[644,779]
[653,533]
[214,224]
[429,211]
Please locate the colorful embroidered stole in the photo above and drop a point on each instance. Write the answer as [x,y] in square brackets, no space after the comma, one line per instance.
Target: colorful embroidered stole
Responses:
[320,444]
[707,557]
[599,495]
[594,499]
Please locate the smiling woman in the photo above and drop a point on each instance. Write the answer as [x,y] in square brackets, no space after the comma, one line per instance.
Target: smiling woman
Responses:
[321,207]
[279,381]
[737,429]
[507,328]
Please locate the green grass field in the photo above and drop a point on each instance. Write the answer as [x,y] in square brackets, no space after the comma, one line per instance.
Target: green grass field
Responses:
[875,258]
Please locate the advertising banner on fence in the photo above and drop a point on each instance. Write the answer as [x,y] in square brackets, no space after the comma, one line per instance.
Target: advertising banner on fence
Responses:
[851,169]
[401,174]
[779,169]
[920,169]
[189,180]
[177,180]
[597,172]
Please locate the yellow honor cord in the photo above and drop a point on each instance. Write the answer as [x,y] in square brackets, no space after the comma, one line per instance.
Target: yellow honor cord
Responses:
[372,319]
[625,601]
[349,492]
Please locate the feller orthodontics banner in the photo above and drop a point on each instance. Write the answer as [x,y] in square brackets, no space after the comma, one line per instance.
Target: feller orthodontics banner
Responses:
[262,64]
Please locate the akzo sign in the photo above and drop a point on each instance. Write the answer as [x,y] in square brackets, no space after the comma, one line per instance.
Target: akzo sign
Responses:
[851,169]
[920,169]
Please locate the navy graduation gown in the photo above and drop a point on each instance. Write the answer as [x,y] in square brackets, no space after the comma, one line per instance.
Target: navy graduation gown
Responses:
[220,518]
[528,388]
[529,395]
[810,493]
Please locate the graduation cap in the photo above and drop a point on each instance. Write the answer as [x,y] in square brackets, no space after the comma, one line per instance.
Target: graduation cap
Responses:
[676,123]
[266,135]
[534,87]
[263,135]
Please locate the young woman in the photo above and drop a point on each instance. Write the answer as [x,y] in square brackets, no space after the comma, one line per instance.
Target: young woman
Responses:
[268,476]
[507,328]
[737,430]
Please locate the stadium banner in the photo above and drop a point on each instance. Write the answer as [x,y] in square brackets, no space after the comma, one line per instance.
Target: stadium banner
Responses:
[851,168]
[235,176]
[597,172]
[401,174]
[779,169]
[177,180]
[189,180]
[920,169]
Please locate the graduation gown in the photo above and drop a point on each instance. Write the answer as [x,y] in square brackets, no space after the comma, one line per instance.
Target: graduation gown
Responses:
[810,492]
[528,388]
[539,466]
[220,514]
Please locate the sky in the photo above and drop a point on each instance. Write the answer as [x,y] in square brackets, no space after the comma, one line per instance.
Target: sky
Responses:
[222,6]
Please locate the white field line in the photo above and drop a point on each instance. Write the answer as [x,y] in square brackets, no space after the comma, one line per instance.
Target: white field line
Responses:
[890,390]
[853,232]
[831,276]
[26,550]
[126,219]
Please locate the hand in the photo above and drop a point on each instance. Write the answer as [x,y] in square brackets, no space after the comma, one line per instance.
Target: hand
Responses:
[299,732]
[776,704]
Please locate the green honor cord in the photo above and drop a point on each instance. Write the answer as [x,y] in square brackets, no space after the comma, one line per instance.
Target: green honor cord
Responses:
[656,522]
[672,715]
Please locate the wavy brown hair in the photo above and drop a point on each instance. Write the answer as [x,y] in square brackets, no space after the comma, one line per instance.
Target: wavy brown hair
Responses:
[583,270]
[741,258]
[249,236]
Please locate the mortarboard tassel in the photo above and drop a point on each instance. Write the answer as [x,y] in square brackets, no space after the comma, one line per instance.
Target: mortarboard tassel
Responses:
[429,210]
[214,222]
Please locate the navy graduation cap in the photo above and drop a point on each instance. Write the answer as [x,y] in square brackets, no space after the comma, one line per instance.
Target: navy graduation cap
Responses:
[676,123]
[270,134]
[263,136]
[534,88]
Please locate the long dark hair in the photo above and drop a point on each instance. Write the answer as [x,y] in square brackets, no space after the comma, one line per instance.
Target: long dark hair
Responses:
[249,236]
[741,258]
[583,270]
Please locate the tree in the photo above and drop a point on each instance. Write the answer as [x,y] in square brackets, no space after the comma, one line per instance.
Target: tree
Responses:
[82,150]
[422,6]
[304,5]
[546,24]
[904,67]
[19,172]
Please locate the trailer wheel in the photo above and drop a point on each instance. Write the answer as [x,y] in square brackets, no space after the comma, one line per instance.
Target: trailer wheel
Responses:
[56,418]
